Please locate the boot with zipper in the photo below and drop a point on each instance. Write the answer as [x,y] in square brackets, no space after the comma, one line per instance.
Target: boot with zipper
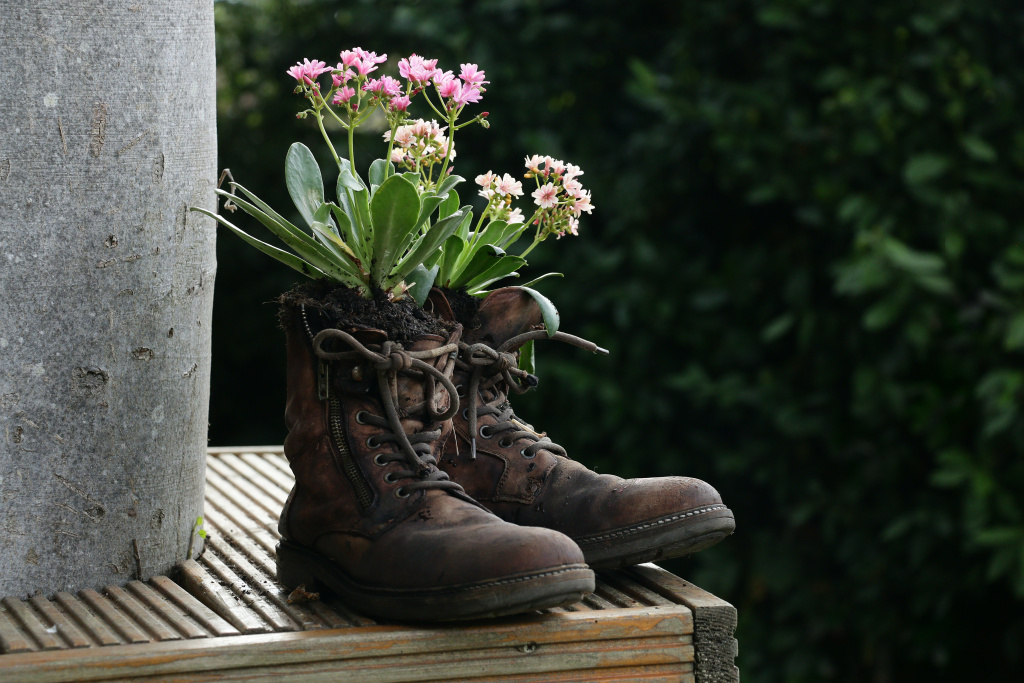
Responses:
[370,516]
[521,475]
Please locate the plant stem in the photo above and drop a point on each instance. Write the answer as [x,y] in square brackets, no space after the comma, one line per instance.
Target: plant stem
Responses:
[537,240]
[327,139]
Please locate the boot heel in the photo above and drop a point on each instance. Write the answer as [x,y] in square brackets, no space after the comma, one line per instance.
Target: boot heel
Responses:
[294,570]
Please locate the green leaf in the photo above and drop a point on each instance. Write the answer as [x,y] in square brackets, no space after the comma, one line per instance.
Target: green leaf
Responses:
[505,267]
[284,257]
[911,260]
[427,245]
[475,262]
[883,314]
[347,178]
[394,209]
[447,184]
[380,170]
[528,358]
[305,246]
[777,327]
[453,247]
[547,310]
[346,231]
[545,276]
[449,205]
[1015,332]
[305,184]
[463,230]
[924,168]
[423,280]
[343,255]
[978,149]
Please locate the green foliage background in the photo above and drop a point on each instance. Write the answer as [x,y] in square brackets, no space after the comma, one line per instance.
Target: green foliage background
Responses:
[807,260]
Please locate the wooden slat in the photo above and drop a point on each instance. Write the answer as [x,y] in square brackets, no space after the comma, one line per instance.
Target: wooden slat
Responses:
[268,471]
[614,596]
[714,622]
[255,476]
[237,489]
[66,628]
[266,585]
[207,589]
[524,643]
[682,673]
[192,607]
[29,621]
[91,626]
[150,622]
[11,637]
[125,627]
[166,610]
[261,532]
[268,612]
[624,584]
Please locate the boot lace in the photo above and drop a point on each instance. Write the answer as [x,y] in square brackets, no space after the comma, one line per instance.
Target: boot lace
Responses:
[388,359]
[496,372]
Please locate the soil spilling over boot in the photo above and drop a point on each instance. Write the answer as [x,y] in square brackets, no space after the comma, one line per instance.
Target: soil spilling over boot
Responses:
[525,478]
[371,517]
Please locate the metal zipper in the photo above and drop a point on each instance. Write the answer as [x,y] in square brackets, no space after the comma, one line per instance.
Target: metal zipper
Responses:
[348,465]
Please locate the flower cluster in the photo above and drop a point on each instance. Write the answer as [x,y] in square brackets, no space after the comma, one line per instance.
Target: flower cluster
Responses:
[559,195]
[499,191]
[419,145]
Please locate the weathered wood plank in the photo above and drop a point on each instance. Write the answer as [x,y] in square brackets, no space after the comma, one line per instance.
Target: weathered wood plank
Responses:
[150,623]
[166,610]
[124,627]
[192,607]
[11,637]
[262,531]
[669,627]
[624,584]
[714,623]
[29,621]
[207,589]
[614,596]
[233,485]
[66,628]
[271,485]
[267,585]
[269,471]
[655,672]
[268,611]
[94,628]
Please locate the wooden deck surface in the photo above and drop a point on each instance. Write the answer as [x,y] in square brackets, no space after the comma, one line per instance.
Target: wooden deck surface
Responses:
[225,617]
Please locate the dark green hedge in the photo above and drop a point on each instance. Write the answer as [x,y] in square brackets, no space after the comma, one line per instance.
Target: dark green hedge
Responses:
[807,259]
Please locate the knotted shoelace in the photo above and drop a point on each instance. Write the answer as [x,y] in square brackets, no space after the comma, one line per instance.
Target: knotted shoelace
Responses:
[496,370]
[388,360]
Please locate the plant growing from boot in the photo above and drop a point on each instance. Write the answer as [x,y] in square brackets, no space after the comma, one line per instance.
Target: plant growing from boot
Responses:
[402,229]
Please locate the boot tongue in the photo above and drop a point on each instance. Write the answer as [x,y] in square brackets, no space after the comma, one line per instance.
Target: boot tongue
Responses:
[412,389]
[505,313]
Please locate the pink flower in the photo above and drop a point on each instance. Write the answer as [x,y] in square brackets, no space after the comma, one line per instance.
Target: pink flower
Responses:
[515,216]
[573,187]
[466,94]
[447,85]
[373,85]
[471,75]
[486,179]
[306,71]
[400,103]
[510,186]
[582,203]
[417,69]
[343,77]
[390,86]
[573,227]
[554,165]
[572,170]
[533,163]
[343,95]
[545,196]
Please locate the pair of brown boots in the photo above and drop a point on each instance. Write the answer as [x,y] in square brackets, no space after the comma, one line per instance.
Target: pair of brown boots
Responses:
[420,496]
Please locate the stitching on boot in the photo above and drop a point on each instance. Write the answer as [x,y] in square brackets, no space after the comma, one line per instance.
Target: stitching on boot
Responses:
[648,525]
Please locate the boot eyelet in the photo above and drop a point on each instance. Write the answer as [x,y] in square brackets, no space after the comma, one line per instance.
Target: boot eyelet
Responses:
[379,460]
[361,417]
[505,443]
[460,390]
[390,478]
[465,413]
[528,457]
[401,493]
[372,442]
[485,431]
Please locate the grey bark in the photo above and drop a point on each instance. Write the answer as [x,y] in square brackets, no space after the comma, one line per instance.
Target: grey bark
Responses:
[107,135]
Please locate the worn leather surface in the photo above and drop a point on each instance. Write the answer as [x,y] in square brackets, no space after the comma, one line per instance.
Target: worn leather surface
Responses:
[428,539]
[550,490]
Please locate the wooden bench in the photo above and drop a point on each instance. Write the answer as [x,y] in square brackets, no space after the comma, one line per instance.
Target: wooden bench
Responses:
[226,618]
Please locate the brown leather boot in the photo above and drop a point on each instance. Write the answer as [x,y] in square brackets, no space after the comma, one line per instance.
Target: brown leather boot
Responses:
[525,478]
[371,517]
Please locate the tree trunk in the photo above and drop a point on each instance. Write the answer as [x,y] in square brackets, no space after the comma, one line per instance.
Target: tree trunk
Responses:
[106,287]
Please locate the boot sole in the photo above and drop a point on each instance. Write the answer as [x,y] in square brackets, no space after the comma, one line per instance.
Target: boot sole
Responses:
[552,587]
[677,535]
